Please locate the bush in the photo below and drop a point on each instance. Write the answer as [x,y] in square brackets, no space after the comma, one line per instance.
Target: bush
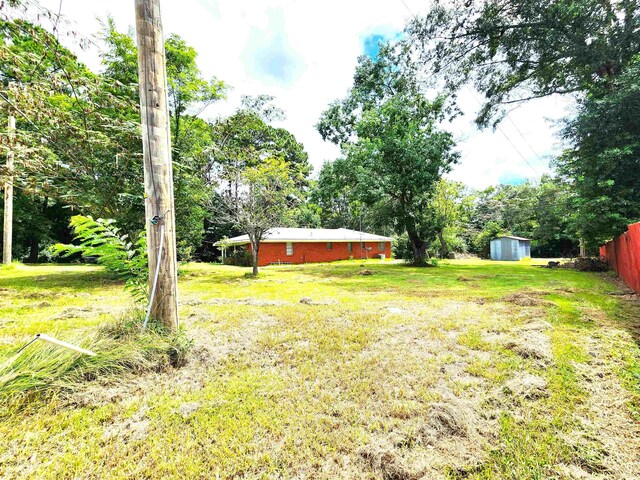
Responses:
[239,258]
[401,248]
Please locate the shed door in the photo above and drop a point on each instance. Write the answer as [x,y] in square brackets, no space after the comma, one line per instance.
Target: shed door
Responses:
[523,249]
[515,250]
[497,250]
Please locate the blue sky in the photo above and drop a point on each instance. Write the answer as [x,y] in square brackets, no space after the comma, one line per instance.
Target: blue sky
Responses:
[304,53]
[371,44]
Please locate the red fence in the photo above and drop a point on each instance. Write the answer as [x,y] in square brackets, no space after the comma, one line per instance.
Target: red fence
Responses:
[623,255]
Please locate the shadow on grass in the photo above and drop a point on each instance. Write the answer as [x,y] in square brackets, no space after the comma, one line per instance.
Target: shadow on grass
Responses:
[72,280]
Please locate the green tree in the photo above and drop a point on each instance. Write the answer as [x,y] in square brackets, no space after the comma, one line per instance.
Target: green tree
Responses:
[513,51]
[336,194]
[516,50]
[448,207]
[389,135]
[243,141]
[192,137]
[542,211]
[267,193]
[66,142]
[602,161]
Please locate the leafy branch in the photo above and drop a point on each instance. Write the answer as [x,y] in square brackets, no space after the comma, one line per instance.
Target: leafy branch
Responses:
[102,240]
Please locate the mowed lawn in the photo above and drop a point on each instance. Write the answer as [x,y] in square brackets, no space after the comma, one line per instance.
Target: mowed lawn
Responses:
[474,369]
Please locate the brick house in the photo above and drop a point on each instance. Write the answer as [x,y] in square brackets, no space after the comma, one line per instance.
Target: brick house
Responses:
[310,245]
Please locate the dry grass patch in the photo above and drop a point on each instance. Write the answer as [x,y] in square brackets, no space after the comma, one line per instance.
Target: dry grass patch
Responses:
[471,370]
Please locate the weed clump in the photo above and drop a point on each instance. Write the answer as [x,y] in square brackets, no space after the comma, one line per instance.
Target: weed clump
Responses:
[43,370]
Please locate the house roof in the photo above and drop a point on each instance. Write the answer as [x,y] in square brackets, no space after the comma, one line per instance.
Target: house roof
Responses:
[277,235]
[513,238]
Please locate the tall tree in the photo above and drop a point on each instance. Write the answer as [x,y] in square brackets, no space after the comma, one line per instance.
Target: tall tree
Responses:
[602,160]
[389,135]
[513,51]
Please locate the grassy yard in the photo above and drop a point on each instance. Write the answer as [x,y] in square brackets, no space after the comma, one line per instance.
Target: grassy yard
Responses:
[475,369]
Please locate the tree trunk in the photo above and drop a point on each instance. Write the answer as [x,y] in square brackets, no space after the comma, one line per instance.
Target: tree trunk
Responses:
[34,250]
[444,251]
[418,248]
[254,257]
[158,170]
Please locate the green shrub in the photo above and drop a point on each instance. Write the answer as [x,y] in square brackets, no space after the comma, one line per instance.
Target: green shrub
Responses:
[239,258]
[401,248]
[101,240]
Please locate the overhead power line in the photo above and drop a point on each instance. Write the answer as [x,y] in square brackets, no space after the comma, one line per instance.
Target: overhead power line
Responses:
[499,128]
[408,9]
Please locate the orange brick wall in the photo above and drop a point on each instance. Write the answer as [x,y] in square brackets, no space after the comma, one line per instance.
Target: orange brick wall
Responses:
[312,252]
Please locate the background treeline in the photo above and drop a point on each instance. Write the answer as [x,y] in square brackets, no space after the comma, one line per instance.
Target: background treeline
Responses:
[78,144]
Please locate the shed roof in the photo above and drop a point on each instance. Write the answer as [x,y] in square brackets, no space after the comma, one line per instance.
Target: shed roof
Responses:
[277,235]
[513,238]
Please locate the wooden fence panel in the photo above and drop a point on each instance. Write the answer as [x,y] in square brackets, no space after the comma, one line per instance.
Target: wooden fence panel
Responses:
[623,255]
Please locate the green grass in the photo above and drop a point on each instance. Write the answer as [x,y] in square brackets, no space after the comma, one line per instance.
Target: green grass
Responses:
[349,386]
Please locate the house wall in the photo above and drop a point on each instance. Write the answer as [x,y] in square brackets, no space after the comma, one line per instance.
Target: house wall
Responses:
[313,252]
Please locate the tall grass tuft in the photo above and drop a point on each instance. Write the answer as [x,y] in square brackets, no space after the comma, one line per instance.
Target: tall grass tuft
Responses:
[43,370]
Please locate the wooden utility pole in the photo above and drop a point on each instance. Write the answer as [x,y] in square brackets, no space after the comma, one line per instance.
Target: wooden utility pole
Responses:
[7,236]
[158,172]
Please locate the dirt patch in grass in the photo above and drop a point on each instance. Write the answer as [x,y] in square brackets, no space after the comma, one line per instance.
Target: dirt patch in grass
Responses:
[256,302]
[311,301]
[134,428]
[527,299]
[537,325]
[532,344]
[209,352]
[383,460]
[525,386]
[75,312]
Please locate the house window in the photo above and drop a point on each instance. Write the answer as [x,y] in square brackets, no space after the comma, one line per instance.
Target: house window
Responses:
[381,247]
[289,248]
[362,246]
[329,245]
[349,247]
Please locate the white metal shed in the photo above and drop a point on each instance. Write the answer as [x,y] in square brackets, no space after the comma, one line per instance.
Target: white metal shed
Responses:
[510,248]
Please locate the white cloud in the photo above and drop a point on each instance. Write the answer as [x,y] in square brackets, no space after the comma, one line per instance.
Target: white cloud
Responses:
[304,53]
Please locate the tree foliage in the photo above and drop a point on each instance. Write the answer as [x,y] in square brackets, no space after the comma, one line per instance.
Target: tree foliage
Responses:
[516,50]
[266,193]
[513,51]
[542,211]
[602,160]
[393,150]
[124,258]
